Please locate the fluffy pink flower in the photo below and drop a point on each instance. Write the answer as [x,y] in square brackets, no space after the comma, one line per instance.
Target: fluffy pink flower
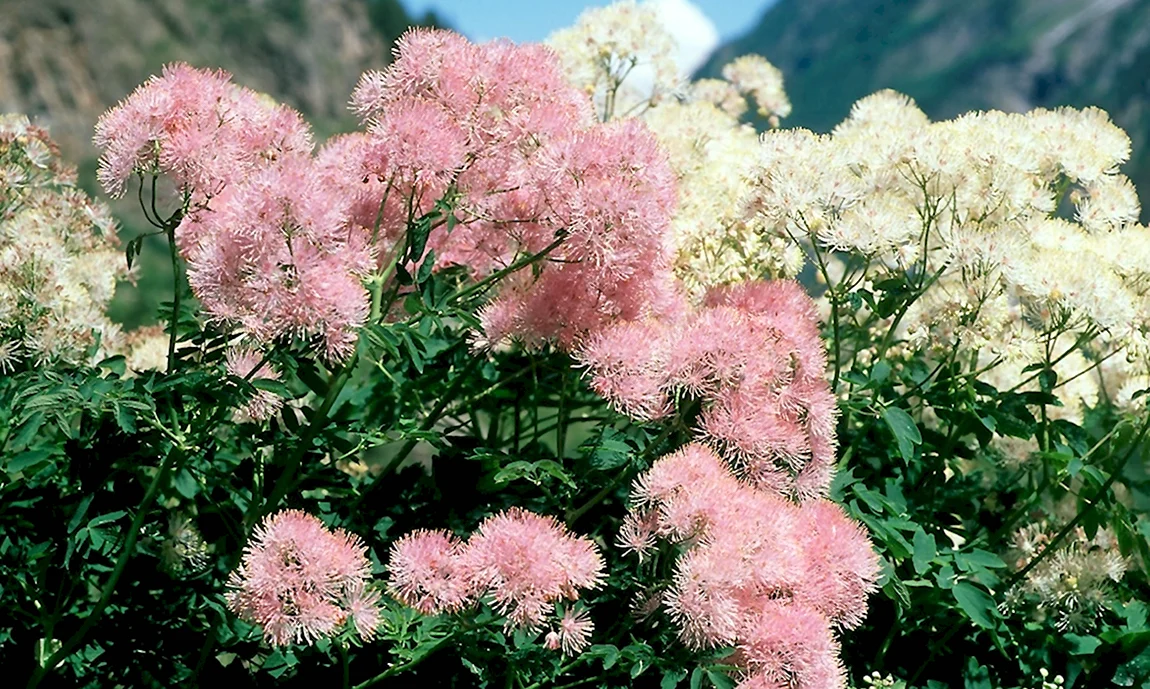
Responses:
[789,645]
[425,573]
[575,632]
[753,356]
[498,125]
[472,116]
[527,562]
[362,605]
[271,257]
[300,581]
[841,566]
[746,552]
[611,191]
[197,127]
[629,364]
[241,362]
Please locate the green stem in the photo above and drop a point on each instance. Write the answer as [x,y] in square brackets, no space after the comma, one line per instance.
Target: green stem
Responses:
[1018,512]
[318,422]
[566,668]
[175,322]
[174,457]
[431,419]
[396,669]
[1115,472]
[573,515]
[345,662]
[561,430]
[500,274]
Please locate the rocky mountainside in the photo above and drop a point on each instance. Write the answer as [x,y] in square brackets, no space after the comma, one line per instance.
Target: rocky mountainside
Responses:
[959,55]
[64,61]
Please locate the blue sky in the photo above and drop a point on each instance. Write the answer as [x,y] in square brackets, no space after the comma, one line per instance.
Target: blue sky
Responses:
[533,20]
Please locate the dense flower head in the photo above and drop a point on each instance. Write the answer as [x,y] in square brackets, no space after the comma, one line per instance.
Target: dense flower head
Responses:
[262,231]
[524,563]
[573,632]
[621,55]
[301,581]
[270,258]
[59,259]
[610,192]
[196,126]
[752,355]
[1020,227]
[716,241]
[528,561]
[144,349]
[497,131]
[756,571]
[754,76]
[1075,585]
[425,574]
[791,646]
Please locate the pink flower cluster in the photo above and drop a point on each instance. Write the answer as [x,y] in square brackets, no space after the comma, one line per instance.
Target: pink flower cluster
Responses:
[752,355]
[197,127]
[496,128]
[757,571]
[279,241]
[522,562]
[262,234]
[301,582]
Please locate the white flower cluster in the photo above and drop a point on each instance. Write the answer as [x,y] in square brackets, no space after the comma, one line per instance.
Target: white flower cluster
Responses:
[1072,585]
[1016,228]
[717,241]
[754,76]
[59,262]
[621,55]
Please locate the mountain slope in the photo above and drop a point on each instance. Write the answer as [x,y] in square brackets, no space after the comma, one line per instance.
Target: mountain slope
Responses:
[956,56]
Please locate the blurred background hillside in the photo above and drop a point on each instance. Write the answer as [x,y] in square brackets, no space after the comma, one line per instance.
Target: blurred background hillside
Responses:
[64,61]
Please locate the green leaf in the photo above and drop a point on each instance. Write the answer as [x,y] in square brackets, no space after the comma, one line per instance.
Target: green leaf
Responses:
[125,420]
[27,460]
[105,519]
[1082,645]
[116,364]
[977,559]
[27,431]
[697,678]
[186,484]
[279,662]
[132,250]
[925,549]
[417,234]
[607,652]
[976,603]
[904,429]
[897,591]
[275,387]
[607,452]
[78,516]
[719,679]
[880,372]
[424,271]
[671,678]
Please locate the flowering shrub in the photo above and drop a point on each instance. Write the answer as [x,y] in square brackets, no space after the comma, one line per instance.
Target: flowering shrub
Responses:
[555,373]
